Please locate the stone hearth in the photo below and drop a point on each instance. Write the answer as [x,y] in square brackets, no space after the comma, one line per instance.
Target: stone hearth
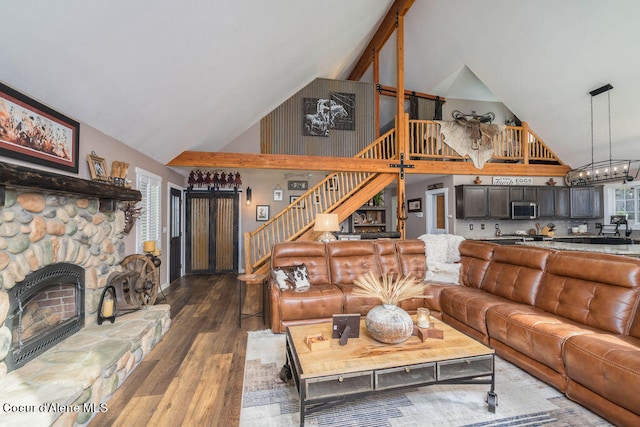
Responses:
[70,383]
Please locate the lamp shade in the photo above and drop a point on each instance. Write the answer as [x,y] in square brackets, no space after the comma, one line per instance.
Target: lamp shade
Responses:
[149,246]
[327,222]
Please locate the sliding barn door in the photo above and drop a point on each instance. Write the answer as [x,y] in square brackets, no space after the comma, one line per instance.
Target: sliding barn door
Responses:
[212,232]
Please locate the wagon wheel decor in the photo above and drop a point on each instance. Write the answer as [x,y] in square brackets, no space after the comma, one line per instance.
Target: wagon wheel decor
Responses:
[144,284]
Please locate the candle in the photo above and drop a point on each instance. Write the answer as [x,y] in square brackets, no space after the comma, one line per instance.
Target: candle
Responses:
[424,317]
[107,307]
[149,246]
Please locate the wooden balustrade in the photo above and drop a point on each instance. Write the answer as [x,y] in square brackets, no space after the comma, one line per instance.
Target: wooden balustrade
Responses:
[515,144]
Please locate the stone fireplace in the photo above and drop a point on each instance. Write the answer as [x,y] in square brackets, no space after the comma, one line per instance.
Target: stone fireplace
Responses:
[44,309]
[61,238]
[39,230]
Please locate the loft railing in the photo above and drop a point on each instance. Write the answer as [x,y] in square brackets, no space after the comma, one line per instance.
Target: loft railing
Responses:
[299,216]
[515,144]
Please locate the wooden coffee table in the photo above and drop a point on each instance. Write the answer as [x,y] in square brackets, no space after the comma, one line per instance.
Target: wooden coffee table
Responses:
[365,366]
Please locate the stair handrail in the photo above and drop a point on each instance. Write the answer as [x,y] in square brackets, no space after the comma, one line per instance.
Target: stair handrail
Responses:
[299,216]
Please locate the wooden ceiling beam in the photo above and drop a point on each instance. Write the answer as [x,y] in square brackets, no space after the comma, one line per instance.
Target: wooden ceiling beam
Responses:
[384,31]
[201,159]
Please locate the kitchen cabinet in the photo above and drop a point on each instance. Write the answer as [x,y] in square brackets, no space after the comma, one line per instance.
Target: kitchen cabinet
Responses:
[586,202]
[482,201]
[494,201]
[553,202]
[523,194]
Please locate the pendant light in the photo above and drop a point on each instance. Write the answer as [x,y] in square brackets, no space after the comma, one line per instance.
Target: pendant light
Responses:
[603,171]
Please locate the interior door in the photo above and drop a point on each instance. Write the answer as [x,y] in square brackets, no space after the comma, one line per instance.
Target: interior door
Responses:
[175,236]
[211,232]
[436,211]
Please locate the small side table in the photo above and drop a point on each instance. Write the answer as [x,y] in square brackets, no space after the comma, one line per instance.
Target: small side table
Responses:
[243,281]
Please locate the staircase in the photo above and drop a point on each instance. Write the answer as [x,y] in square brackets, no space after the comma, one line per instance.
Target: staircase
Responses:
[339,192]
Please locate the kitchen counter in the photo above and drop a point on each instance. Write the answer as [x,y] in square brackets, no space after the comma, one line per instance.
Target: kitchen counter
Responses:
[628,250]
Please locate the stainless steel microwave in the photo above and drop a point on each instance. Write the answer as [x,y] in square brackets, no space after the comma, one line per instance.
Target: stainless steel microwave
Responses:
[524,210]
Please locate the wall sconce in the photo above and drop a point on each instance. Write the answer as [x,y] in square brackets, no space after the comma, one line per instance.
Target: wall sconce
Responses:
[248,195]
[327,223]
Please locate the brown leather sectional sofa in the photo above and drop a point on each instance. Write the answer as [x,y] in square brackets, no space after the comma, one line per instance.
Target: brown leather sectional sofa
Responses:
[571,319]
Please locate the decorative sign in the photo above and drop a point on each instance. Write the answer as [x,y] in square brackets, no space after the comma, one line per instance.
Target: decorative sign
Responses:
[512,180]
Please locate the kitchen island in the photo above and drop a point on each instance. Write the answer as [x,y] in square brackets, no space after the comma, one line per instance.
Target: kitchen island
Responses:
[631,250]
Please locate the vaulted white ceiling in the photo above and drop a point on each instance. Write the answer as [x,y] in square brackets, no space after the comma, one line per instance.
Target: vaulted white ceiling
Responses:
[168,76]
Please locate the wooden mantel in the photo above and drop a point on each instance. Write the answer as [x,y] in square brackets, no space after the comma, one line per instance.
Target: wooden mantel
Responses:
[23,177]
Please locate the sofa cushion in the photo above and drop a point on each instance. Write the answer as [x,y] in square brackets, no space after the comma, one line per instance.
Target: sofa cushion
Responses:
[317,302]
[411,254]
[350,259]
[515,273]
[598,290]
[474,257]
[311,254]
[387,257]
[468,306]
[533,332]
[356,304]
[608,365]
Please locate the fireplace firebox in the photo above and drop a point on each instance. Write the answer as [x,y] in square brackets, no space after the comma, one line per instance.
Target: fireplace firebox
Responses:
[45,308]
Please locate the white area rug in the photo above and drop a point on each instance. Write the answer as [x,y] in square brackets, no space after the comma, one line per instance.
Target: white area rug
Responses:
[522,399]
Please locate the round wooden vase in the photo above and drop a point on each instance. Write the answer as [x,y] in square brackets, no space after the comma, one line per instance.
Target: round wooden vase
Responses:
[389,324]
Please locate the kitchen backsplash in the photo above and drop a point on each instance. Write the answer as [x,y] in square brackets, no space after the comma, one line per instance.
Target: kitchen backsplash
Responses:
[507,227]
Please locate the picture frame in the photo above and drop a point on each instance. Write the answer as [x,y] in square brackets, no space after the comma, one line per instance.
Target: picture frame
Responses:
[316,199]
[277,195]
[35,133]
[262,212]
[414,205]
[301,205]
[341,321]
[332,184]
[298,185]
[97,167]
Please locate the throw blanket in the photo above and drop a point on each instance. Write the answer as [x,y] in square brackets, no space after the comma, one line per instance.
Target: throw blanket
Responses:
[442,257]
[476,142]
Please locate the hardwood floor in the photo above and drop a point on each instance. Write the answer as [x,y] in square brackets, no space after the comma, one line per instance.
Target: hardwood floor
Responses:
[194,375]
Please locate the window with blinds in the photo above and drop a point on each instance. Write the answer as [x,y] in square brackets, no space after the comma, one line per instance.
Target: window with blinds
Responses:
[148,224]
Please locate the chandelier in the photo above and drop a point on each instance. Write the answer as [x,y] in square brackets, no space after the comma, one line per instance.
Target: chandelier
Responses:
[605,170]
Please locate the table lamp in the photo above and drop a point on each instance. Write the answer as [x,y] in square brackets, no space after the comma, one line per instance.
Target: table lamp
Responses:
[327,223]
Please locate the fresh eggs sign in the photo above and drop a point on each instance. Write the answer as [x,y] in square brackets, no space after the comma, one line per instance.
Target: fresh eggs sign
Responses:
[512,180]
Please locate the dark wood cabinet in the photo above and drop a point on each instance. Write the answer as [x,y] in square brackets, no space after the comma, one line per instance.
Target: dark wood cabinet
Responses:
[471,202]
[481,201]
[523,194]
[587,202]
[553,202]
[499,202]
